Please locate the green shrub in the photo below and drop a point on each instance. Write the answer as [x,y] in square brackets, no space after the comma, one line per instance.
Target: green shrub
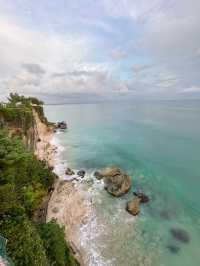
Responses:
[56,247]
[24,245]
[22,175]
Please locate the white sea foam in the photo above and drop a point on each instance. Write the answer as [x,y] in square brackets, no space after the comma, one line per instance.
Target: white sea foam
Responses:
[90,231]
[60,164]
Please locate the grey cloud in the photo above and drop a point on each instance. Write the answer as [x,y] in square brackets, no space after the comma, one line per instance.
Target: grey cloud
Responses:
[166,82]
[193,89]
[84,72]
[58,75]
[79,81]
[33,68]
[75,73]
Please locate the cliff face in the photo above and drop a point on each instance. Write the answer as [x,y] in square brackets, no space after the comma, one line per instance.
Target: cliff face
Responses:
[35,136]
[39,139]
[22,126]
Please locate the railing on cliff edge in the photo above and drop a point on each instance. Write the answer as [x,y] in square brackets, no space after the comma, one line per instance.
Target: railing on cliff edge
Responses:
[4,259]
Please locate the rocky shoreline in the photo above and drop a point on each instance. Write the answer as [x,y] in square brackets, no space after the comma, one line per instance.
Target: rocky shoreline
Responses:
[65,203]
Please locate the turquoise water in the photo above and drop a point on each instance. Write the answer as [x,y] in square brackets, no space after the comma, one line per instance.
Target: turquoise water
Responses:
[158,144]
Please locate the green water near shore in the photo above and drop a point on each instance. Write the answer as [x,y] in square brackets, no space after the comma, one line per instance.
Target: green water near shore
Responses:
[158,143]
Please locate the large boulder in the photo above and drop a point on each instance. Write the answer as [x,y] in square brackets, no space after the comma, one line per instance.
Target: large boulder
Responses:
[133,206]
[116,181]
[61,125]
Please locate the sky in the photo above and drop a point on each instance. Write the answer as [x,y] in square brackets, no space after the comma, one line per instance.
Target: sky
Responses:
[98,50]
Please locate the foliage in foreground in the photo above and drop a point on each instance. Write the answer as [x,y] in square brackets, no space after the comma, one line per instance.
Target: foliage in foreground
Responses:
[56,249]
[24,246]
[24,181]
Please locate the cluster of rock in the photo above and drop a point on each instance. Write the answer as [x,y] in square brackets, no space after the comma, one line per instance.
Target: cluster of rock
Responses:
[117,183]
[80,173]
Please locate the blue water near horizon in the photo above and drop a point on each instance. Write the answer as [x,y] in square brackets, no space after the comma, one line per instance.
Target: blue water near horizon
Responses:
[158,144]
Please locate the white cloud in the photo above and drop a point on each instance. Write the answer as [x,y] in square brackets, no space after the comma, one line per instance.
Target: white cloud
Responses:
[37,63]
[19,45]
[170,36]
[85,79]
[138,10]
[165,33]
[193,89]
[173,40]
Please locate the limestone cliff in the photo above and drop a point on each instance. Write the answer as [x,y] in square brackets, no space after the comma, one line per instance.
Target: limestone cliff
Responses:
[32,127]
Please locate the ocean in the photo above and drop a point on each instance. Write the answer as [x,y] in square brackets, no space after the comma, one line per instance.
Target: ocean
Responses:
[158,144]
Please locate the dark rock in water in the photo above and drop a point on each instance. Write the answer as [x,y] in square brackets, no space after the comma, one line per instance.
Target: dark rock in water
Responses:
[81,173]
[69,171]
[173,249]
[180,235]
[98,175]
[167,214]
[90,181]
[133,206]
[116,181]
[62,125]
[143,197]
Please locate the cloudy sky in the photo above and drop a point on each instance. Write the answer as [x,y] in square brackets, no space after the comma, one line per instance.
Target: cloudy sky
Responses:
[86,50]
